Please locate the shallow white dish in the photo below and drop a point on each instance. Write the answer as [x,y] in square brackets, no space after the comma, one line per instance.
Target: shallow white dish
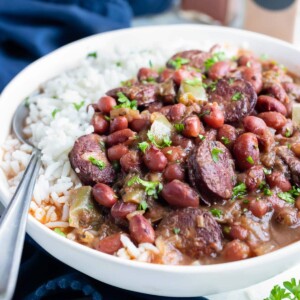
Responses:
[179,281]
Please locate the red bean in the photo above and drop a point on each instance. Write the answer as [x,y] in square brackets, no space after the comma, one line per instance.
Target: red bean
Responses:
[192,126]
[254,177]
[238,232]
[141,231]
[254,76]
[296,149]
[258,207]
[180,75]
[273,119]
[106,104]
[277,91]
[155,160]
[138,125]
[120,136]
[118,123]
[155,106]
[267,103]
[165,75]
[227,135]
[147,74]
[176,112]
[174,171]
[99,123]
[219,70]
[116,152]
[297,203]
[277,179]
[104,195]
[288,129]
[110,244]
[121,209]
[180,194]
[173,153]
[236,250]
[185,143]
[287,216]
[246,151]
[213,116]
[130,161]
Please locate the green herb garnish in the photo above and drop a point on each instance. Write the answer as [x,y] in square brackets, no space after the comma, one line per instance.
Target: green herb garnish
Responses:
[125,102]
[179,127]
[176,230]
[267,171]
[193,82]
[288,133]
[178,62]
[215,154]
[287,197]
[216,57]
[92,54]
[290,291]
[237,96]
[97,162]
[267,192]
[250,160]
[77,106]
[170,152]
[225,140]
[58,231]
[216,212]
[119,64]
[143,205]
[143,146]
[54,112]
[239,190]
[166,142]
[26,102]
[201,137]
[150,64]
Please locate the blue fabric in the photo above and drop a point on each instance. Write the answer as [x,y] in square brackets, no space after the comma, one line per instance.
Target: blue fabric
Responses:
[30,29]
[43,277]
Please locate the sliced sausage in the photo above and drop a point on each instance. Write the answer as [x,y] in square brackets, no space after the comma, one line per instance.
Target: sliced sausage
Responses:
[237,98]
[198,234]
[211,171]
[86,149]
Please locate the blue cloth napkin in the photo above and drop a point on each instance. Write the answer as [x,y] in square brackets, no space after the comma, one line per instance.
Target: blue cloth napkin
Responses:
[30,29]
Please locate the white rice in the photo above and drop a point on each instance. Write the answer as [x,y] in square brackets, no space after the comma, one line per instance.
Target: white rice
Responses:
[54,124]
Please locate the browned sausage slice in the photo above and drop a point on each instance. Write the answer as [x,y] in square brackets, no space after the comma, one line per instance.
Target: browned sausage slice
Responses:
[198,234]
[86,149]
[211,171]
[196,58]
[236,97]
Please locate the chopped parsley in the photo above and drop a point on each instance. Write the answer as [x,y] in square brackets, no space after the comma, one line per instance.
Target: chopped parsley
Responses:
[97,162]
[225,140]
[213,86]
[92,54]
[54,112]
[102,145]
[26,102]
[127,83]
[149,79]
[226,229]
[291,290]
[237,96]
[143,205]
[125,102]
[152,188]
[193,82]
[178,62]
[216,212]
[179,127]
[250,160]
[170,152]
[231,80]
[107,118]
[165,143]
[176,230]
[215,154]
[216,57]
[204,113]
[119,64]
[77,106]
[267,192]
[239,190]
[246,201]
[143,146]
[58,231]
[201,137]
[287,197]
[287,133]
[267,171]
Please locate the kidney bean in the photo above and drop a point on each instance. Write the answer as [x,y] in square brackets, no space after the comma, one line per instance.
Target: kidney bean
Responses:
[176,112]
[273,119]
[121,209]
[116,152]
[213,115]
[268,103]
[147,74]
[180,75]
[277,179]
[296,149]
[258,207]
[165,75]
[139,124]
[104,194]
[287,216]
[192,126]
[250,62]
[99,123]
[154,159]
[238,232]
[174,171]
[173,153]
[246,151]
[118,123]
[219,69]
[185,143]
[253,76]
[236,250]
[106,104]
[180,194]
[276,90]
[130,161]
[120,136]
[254,177]
[141,231]
[288,129]
[110,244]
[155,106]
[227,135]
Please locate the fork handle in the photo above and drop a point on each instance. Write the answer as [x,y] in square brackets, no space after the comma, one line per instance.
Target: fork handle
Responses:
[13,226]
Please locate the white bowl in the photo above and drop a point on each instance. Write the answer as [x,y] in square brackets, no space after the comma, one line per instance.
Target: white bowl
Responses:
[179,281]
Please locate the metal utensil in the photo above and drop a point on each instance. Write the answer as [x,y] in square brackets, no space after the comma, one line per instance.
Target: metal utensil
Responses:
[13,220]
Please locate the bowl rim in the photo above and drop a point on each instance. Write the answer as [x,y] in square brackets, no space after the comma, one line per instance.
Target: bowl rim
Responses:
[181,269]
